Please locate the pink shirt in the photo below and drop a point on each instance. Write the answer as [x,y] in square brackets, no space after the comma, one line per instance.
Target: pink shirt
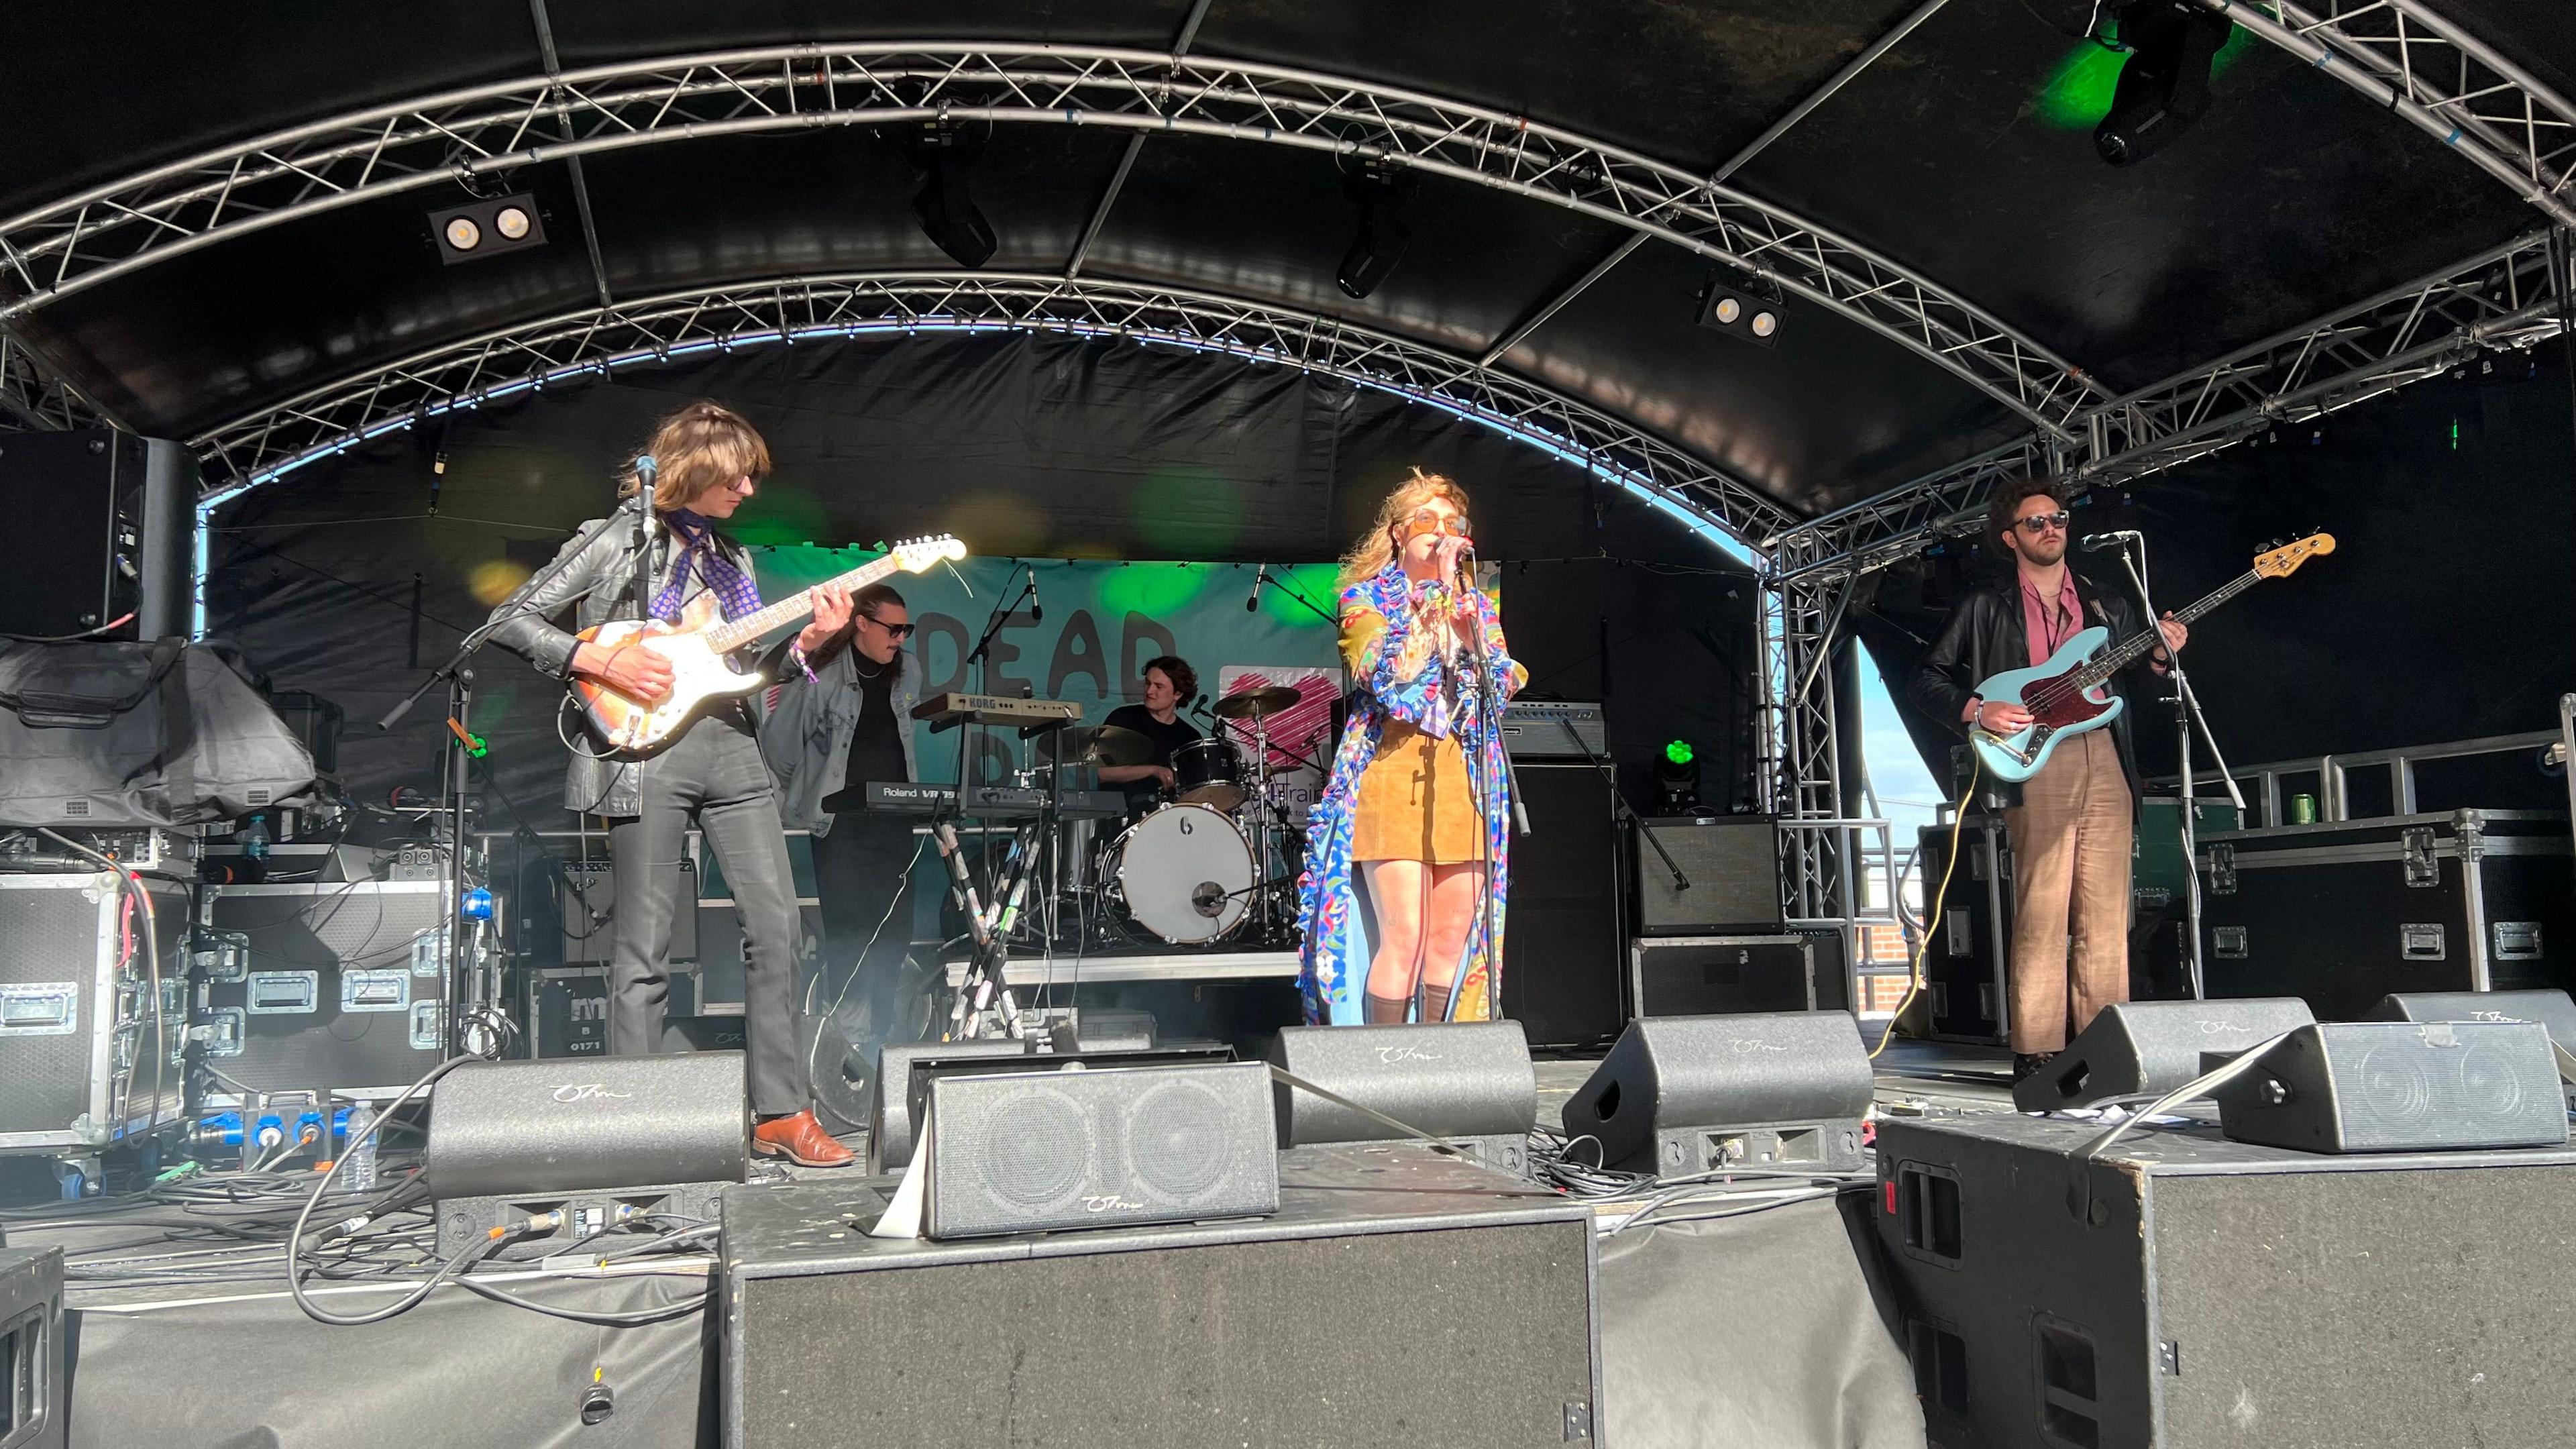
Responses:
[2048,625]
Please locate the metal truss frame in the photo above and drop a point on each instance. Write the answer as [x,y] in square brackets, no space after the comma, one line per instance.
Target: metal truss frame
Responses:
[115,229]
[575,348]
[2510,297]
[2404,56]
[32,397]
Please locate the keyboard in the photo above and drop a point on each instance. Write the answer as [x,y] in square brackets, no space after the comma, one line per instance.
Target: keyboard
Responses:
[947,711]
[1001,802]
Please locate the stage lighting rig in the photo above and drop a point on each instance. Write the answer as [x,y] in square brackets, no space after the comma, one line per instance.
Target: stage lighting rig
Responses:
[1677,778]
[2164,86]
[945,204]
[1381,189]
[1740,311]
[487,227]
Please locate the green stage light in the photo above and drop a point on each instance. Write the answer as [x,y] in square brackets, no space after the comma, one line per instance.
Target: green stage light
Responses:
[1679,752]
[2077,95]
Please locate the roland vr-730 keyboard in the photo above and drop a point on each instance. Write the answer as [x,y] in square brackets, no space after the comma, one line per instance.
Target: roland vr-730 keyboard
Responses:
[1001,802]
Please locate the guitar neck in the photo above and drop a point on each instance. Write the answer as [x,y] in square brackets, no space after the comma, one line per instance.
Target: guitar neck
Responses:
[2149,638]
[796,608]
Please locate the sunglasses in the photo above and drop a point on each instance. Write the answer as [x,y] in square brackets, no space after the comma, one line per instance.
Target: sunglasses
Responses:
[900,632]
[1430,521]
[2039,523]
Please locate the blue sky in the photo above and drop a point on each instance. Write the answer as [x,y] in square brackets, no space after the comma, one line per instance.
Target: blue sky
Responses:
[1906,790]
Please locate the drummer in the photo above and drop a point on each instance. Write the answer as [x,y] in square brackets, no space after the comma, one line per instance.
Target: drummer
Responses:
[1170,684]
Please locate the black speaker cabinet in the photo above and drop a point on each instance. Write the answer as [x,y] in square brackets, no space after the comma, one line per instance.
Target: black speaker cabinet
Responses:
[1562,938]
[1042,1151]
[100,528]
[1468,1083]
[1264,1332]
[2192,1293]
[1714,975]
[34,1414]
[2400,1086]
[1732,864]
[1700,1093]
[1967,966]
[513,1128]
[2152,1046]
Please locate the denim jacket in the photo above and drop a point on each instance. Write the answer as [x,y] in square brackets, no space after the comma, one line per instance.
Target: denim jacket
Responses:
[806,736]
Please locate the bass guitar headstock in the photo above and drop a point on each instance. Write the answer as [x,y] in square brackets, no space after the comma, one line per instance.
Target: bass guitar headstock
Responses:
[2283,561]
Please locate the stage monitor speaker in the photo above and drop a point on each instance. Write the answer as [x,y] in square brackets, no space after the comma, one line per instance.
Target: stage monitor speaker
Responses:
[1044,1151]
[2400,1086]
[2152,1047]
[1469,1084]
[1480,1296]
[2196,1293]
[1733,865]
[1689,1094]
[1562,938]
[513,1128]
[103,528]
[2552,1009]
[34,1414]
[904,1075]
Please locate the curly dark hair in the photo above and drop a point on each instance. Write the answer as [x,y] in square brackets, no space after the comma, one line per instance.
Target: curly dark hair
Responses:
[1185,680]
[2008,500]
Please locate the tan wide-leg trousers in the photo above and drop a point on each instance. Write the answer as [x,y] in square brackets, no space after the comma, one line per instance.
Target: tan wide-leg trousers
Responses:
[2070,845]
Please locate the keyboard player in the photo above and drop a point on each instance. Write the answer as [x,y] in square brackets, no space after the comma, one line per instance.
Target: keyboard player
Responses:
[828,735]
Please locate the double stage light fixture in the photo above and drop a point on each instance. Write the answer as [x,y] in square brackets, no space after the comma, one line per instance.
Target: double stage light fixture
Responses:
[487,228]
[1740,311]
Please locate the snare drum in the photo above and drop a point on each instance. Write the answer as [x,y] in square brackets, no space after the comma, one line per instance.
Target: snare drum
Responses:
[1208,772]
[1185,872]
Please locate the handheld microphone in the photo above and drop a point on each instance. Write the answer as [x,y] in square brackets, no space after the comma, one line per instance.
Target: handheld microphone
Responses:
[1260,576]
[2096,542]
[1037,610]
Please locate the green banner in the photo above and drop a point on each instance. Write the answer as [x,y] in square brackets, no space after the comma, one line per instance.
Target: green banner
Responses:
[1102,621]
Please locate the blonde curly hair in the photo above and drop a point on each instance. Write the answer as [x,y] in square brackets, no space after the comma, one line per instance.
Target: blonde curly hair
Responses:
[1376,548]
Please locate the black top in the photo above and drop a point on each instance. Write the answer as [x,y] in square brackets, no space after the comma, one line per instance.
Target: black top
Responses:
[876,746]
[1166,738]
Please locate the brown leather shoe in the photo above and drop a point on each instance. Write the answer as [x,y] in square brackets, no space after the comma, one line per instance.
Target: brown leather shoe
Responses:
[801,1140]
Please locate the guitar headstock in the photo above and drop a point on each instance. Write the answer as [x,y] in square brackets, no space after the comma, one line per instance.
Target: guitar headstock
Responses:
[2281,562]
[919,555]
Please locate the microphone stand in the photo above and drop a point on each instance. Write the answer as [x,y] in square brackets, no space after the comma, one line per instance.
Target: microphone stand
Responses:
[2187,712]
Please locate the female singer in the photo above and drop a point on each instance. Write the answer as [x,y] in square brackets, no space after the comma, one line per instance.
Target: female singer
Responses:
[1419,797]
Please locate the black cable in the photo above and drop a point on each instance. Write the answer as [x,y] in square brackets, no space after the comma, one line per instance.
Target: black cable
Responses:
[304,1218]
[127,880]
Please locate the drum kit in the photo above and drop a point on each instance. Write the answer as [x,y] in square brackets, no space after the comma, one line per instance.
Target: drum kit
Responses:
[1215,860]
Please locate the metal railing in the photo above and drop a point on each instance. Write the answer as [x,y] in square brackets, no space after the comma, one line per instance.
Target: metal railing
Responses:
[2333,772]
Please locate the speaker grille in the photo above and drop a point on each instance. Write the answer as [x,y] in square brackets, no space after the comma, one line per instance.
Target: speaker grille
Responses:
[1032,1149]
[1177,1139]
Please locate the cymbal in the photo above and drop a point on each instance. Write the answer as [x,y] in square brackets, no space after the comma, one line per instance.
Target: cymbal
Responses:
[1107,745]
[1255,703]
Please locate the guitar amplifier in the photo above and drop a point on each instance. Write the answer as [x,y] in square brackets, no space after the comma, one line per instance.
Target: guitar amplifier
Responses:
[586,902]
[1547,729]
[1732,863]
[313,986]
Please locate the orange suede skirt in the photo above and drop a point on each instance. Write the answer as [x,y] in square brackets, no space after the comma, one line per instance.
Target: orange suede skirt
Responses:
[1416,802]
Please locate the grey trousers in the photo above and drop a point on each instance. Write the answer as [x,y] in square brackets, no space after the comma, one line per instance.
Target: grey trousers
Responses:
[714,776]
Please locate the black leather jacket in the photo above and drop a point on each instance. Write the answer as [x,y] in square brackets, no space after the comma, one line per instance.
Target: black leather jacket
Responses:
[598,586]
[1985,637]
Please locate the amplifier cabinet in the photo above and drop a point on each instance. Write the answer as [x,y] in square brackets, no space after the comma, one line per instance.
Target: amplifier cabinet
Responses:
[1722,975]
[586,902]
[2346,912]
[1732,863]
[2188,1292]
[1967,968]
[86,1058]
[1245,1333]
[318,986]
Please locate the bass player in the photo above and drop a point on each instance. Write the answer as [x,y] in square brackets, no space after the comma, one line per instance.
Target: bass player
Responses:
[703,463]
[2070,825]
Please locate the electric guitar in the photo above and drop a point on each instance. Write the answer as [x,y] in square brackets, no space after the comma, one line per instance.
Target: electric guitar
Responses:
[698,649]
[2065,695]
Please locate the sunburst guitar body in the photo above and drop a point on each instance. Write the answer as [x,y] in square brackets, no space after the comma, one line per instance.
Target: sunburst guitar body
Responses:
[700,649]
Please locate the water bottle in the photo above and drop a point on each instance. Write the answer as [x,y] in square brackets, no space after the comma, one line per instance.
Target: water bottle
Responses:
[255,839]
[358,1159]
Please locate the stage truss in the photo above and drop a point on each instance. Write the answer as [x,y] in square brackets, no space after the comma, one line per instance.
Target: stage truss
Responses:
[118,228]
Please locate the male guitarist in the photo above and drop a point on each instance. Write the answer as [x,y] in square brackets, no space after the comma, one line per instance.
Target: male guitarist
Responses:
[704,460]
[2070,824]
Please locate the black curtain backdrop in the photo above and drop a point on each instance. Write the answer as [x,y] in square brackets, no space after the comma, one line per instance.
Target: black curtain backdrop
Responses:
[2447,612]
[351,577]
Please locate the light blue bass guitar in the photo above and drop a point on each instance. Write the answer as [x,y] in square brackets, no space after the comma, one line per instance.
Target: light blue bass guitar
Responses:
[2065,695]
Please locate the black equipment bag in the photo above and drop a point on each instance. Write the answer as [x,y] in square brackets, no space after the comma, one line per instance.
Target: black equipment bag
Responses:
[161,733]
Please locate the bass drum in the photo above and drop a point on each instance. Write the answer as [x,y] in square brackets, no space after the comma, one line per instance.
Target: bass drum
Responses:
[1185,872]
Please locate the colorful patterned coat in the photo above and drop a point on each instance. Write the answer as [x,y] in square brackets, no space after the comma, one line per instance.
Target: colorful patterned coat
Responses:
[1396,675]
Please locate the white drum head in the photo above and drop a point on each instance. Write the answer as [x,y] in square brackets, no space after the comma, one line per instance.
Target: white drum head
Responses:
[1186,874]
